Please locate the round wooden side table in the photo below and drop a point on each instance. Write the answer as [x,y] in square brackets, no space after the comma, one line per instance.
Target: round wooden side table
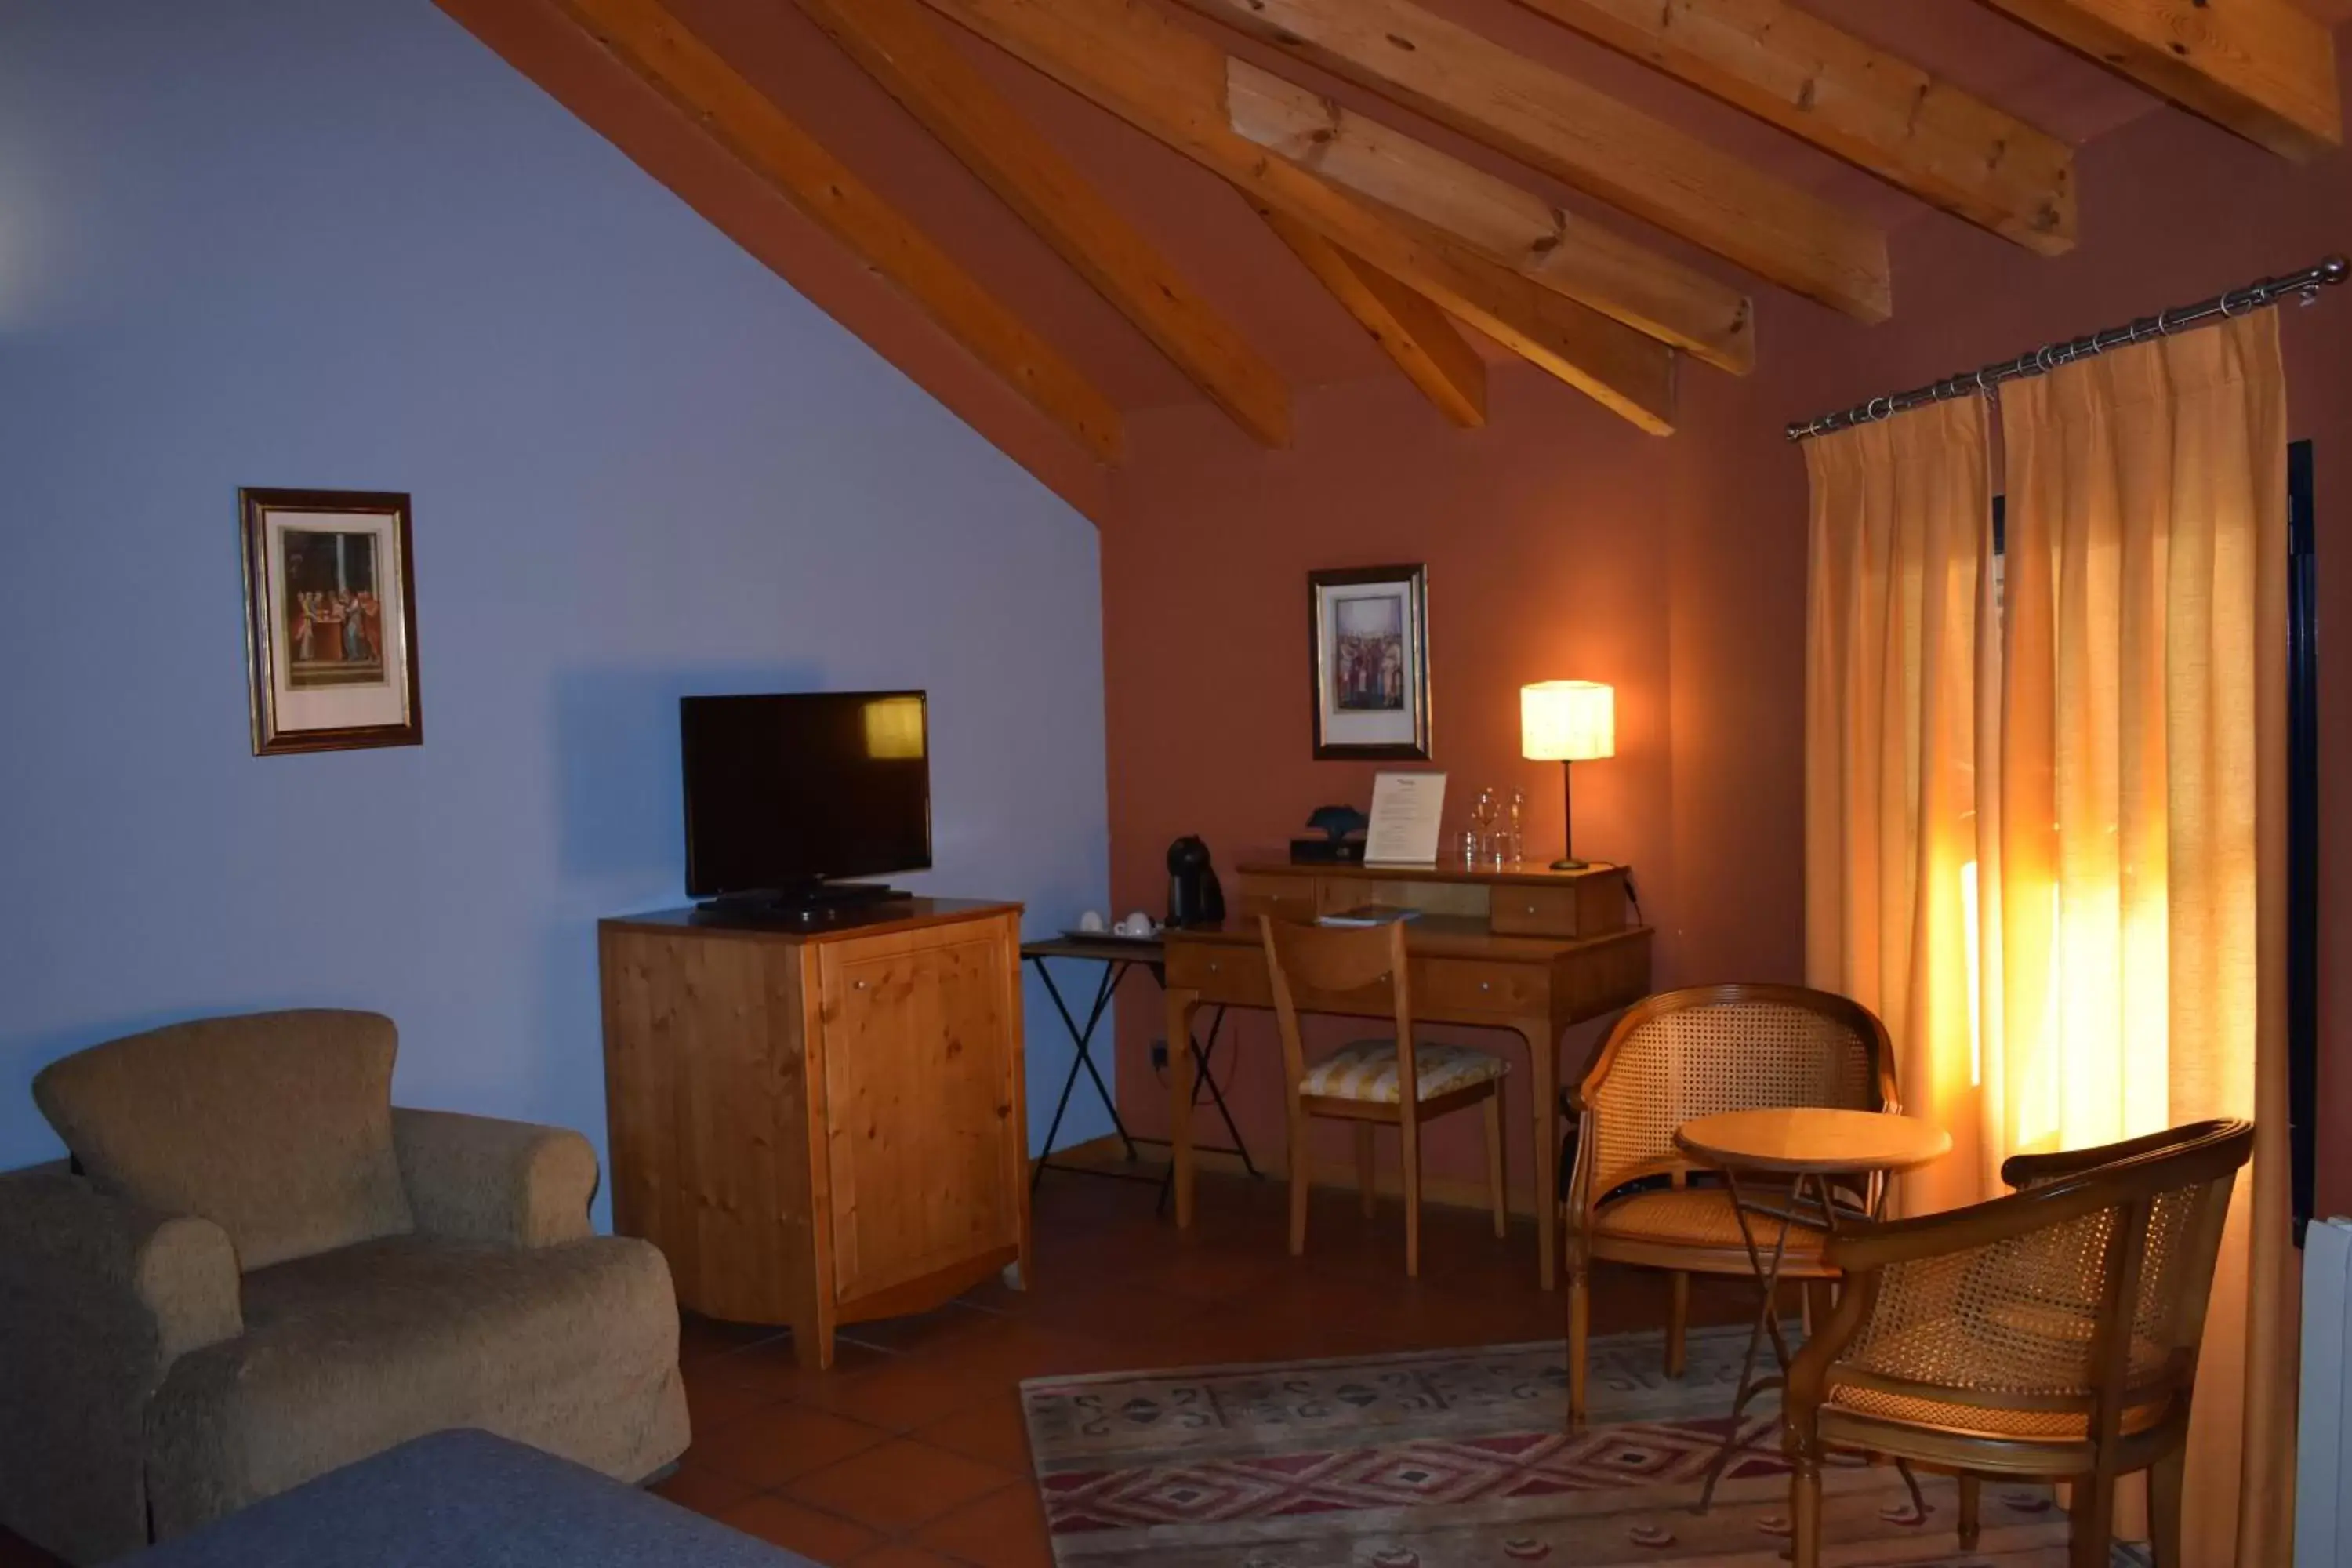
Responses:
[1807,1147]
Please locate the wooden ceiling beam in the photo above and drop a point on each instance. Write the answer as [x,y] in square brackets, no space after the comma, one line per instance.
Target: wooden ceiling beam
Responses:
[1848,97]
[1498,220]
[2264,69]
[1603,147]
[898,44]
[1415,334]
[643,35]
[1169,82]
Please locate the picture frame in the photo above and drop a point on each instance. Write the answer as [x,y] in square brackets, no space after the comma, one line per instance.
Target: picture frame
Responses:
[330,620]
[1367,662]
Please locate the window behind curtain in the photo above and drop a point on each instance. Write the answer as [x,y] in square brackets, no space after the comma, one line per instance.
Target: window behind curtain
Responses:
[2302,813]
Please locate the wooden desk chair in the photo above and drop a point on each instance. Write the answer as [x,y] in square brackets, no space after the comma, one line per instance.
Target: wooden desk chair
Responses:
[2051,1333]
[1375,1081]
[1674,1057]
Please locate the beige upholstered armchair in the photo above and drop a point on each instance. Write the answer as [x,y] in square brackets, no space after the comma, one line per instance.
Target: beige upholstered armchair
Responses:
[258,1270]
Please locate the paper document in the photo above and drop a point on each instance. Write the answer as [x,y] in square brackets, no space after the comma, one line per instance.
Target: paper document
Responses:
[1405,812]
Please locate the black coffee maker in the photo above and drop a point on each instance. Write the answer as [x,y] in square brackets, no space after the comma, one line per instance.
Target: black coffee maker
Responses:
[1194,896]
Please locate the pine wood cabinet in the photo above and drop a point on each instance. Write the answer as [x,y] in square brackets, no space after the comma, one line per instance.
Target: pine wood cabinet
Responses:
[824,1126]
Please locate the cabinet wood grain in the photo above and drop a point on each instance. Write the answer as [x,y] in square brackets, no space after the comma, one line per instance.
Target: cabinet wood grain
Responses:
[819,1127]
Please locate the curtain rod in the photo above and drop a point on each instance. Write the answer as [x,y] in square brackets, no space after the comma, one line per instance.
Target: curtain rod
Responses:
[2050,356]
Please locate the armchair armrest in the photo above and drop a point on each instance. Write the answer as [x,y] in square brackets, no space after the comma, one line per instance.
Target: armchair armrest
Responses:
[478,1178]
[98,1298]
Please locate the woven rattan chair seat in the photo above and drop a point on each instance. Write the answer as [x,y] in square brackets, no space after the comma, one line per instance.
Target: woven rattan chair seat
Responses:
[1697,1216]
[2032,1425]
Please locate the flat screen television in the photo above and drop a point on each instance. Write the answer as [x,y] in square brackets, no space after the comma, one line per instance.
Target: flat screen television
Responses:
[786,792]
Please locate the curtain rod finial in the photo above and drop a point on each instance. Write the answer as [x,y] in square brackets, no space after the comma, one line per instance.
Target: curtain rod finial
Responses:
[2333,270]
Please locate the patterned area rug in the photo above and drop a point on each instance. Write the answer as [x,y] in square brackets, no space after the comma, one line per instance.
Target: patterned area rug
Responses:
[1451,1458]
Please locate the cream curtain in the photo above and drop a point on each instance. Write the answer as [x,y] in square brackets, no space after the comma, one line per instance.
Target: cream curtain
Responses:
[2141,918]
[2052,856]
[1902,515]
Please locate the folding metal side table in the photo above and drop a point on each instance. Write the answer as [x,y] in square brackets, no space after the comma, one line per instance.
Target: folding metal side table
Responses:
[1118,955]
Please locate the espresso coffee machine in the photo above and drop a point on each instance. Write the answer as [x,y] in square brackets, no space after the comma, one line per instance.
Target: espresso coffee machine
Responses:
[1194,896]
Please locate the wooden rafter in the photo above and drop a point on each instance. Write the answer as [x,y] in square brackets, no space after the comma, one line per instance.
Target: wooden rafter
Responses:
[647,39]
[1415,334]
[1500,220]
[1170,83]
[2265,68]
[1849,96]
[898,44]
[1605,148]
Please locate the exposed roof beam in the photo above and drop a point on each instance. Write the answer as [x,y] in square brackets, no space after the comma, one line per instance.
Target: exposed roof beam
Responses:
[645,37]
[2265,68]
[900,47]
[1170,83]
[1500,220]
[1849,96]
[1415,334]
[1604,148]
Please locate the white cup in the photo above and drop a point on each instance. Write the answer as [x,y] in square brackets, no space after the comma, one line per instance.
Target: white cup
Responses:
[1137,923]
[1092,921]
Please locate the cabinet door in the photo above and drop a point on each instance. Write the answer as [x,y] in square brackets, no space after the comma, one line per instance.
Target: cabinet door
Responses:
[920,1104]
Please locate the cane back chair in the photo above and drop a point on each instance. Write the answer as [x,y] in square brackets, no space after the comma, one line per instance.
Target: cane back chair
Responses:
[2051,1334]
[1391,1081]
[1674,1057]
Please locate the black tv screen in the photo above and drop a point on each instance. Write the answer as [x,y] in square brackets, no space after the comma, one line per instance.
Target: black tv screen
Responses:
[785,791]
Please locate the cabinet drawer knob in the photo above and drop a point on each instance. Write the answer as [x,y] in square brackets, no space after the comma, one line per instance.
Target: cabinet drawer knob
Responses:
[1212,966]
[857,985]
[1485,985]
[1531,909]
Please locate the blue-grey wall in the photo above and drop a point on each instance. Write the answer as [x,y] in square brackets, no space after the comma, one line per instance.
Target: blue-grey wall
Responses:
[274,242]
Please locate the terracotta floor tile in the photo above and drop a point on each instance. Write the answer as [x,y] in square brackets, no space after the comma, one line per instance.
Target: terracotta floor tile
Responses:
[773,1368]
[714,1399]
[782,1523]
[1007,1528]
[699,1336]
[922,1332]
[703,1490]
[899,1485]
[770,1446]
[994,1432]
[914,1391]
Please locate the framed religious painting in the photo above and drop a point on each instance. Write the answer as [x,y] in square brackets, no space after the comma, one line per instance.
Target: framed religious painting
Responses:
[330,620]
[1367,633]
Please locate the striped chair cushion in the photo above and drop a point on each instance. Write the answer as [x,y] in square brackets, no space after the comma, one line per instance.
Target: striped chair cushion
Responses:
[1367,1069]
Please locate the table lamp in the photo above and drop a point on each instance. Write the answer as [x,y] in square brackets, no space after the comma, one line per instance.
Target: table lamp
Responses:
[1568,722]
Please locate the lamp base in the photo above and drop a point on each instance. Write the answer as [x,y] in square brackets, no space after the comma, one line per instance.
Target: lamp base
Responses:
[1572,865]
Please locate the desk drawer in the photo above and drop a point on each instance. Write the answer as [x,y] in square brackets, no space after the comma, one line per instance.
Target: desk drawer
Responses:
[1446,987]
[1221,972]
[1586,907]
[1285,896]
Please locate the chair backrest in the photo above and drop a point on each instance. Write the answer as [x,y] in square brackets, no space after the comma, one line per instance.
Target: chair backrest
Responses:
[274,1126]
[2081,1296]
[1360,966]
[1682,1055]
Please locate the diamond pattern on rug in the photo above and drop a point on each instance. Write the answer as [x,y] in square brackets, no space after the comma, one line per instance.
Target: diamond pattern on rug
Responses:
[1462,1459]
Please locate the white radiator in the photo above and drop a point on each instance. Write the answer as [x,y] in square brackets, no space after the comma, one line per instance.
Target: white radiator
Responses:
[2323,1468]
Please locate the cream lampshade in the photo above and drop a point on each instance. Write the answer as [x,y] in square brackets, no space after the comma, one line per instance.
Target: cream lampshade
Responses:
[1568,722]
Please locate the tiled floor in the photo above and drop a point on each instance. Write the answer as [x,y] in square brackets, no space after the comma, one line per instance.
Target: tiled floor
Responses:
[911,1451]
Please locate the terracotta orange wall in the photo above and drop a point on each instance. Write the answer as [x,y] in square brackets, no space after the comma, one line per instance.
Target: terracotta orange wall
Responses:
[1561,543]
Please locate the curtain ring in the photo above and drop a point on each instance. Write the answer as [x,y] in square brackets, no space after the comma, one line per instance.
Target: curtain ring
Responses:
[2044,358]
[2227,311]
[1878,408]
[2164,323]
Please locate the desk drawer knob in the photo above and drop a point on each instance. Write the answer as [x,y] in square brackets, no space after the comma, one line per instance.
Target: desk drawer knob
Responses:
[1485,985]
[1212,966]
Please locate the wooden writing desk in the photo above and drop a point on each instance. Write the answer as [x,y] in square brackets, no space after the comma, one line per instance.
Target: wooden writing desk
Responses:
[1525,948]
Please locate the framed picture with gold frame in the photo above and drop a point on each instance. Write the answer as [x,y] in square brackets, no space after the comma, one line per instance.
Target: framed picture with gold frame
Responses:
[1367,636]
[330,620]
